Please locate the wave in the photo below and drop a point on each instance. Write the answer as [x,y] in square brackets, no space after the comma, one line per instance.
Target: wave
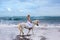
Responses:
[17,19]
[43,25]
[33,18]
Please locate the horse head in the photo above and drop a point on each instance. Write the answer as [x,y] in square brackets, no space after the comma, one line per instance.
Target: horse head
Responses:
[36,22]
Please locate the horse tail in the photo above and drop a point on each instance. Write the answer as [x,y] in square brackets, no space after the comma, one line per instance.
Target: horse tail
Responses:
[19,26]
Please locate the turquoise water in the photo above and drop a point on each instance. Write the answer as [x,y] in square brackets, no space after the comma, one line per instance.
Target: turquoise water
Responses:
[43,19]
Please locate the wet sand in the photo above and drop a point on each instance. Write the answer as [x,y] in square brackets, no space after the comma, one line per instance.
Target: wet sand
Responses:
[12,33]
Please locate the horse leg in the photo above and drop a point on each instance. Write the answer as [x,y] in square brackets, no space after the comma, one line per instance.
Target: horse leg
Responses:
[22,32]
[28,32]
[32,31]
[20,29]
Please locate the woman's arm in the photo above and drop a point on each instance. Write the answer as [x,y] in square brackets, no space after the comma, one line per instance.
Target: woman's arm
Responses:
[29,20]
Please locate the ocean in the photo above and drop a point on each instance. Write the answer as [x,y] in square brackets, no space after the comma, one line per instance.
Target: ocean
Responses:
[42,19]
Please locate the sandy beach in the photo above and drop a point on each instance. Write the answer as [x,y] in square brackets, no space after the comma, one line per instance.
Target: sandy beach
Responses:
[10,32]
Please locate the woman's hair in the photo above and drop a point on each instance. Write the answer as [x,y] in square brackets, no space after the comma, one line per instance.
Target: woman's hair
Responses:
[28,15]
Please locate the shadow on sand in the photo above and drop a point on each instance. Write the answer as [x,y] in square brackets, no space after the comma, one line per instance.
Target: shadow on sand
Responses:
[43,38]
[23,37]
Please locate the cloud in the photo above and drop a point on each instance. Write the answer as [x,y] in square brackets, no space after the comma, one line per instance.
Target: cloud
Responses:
[9,9]
[35,7]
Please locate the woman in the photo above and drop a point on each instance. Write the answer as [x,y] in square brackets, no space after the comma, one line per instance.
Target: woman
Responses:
[28,19]
[29,22]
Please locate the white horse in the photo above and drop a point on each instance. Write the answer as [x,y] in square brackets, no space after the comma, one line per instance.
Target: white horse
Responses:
[23,25]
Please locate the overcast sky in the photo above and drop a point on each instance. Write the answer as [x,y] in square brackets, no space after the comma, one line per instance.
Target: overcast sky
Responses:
[32,7]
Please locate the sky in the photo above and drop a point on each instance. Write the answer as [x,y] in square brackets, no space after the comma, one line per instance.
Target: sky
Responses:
[32,7]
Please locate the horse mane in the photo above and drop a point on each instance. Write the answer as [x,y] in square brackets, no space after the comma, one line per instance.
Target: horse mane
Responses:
[35,21]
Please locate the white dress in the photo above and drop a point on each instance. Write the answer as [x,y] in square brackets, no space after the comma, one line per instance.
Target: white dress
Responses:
[30,25]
